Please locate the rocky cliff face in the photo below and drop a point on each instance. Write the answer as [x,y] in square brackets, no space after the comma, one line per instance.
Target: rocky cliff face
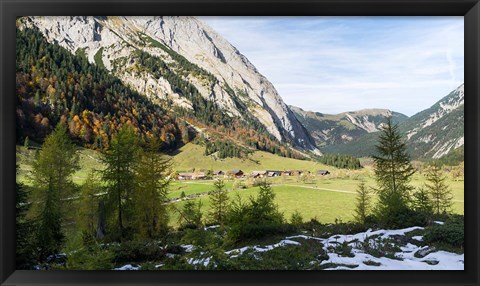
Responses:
[188,48]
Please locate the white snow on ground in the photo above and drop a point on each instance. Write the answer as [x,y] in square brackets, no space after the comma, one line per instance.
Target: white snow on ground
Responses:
[439,260]
[128,267]
[211,227]
[438,222]
[418,237]
[256,248]
[187,247]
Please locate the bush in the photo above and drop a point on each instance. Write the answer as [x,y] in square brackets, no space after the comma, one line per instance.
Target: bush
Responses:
[138,251]
[450,234]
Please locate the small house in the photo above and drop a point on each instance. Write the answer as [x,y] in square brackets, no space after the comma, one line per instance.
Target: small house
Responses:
[218,173]
[236,173]
[258,174]
[185,176]
[272,173]
[200,176]
[287,173]
[323,172]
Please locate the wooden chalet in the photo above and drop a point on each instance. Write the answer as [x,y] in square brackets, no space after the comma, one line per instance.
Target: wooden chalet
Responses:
[236,173]
[323,172]
[259,174]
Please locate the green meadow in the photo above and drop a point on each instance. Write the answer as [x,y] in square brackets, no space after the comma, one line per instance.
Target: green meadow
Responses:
[325,198]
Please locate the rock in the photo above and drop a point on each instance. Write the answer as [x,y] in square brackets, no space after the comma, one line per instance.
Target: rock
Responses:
[425,251]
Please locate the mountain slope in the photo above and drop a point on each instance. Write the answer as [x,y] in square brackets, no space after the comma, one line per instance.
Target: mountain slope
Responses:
[186,60]
[431,133]
[334,129]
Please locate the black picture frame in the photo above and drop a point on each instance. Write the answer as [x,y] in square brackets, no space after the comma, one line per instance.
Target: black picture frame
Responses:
[10,9]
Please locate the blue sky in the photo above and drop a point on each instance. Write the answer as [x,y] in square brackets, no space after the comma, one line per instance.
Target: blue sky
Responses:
[337,64]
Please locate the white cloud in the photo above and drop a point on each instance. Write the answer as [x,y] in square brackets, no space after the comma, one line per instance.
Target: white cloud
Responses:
[401,63]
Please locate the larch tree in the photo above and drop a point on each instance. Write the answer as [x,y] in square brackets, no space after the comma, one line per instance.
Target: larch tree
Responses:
[151,189]
[393,171]
[52,172]
[23,227]
[219,202]
[119,175]
[89,201]
[439,191]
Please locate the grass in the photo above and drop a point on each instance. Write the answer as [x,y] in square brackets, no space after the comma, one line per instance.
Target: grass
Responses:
[191,156]
[325,198]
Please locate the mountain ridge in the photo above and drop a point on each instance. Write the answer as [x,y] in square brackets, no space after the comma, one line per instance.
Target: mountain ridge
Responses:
[178,41]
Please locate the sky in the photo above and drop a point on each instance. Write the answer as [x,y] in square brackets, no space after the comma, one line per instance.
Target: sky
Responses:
[337,64]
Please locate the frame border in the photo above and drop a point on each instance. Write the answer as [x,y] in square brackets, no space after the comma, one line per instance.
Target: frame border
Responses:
[10,9]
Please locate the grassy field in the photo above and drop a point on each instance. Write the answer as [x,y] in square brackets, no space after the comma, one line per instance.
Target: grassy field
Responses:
[325,198]
[191,156]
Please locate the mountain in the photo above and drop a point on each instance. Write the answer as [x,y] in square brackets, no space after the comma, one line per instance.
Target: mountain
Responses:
[181,63]
[429,134]
[334,129]
[434,132]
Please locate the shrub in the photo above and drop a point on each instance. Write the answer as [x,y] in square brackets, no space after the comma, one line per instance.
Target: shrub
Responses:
[449,234]
[138,251]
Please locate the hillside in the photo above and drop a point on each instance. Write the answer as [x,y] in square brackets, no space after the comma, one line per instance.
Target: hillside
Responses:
[334,129]
[191,156]
[183,65]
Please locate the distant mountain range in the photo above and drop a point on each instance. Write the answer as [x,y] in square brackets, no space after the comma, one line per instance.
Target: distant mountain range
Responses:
[431,133]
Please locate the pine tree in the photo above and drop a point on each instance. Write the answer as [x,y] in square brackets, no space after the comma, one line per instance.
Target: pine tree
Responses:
[219,202]
[119,175]
[363,203]
[51,176]
[393,171]
[439,191]
[151,188]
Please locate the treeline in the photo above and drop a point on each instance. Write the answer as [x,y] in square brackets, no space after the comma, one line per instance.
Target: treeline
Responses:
[341,161]
[399,203]
[225,149]
[53,86]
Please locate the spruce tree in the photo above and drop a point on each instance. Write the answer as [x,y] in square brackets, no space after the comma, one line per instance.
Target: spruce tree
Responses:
[393,171]
[52,180]
[363,203]
[151,189]
[119,175]
[219,202]
[439,191]
[422,203]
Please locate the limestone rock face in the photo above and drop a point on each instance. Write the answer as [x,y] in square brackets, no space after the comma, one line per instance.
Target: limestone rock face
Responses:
[112,41]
